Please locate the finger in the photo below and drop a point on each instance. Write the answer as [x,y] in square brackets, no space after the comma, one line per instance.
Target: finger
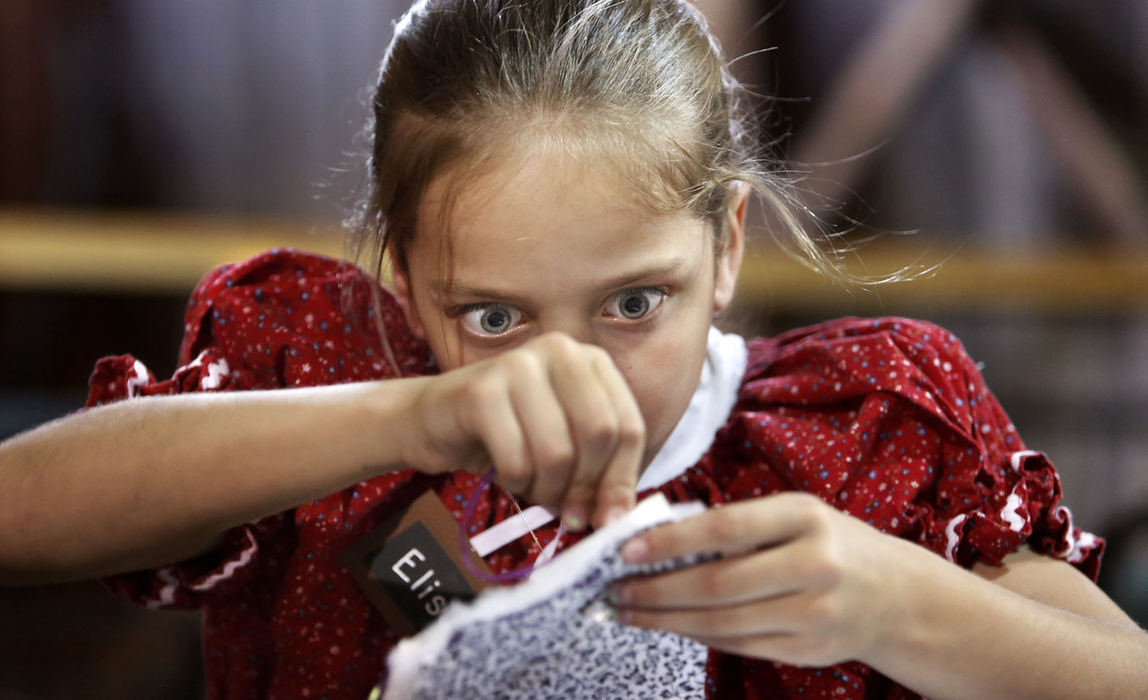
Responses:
[546,431]
[496,426]
[795,649]
[618,484]
[782,647]
[594,424]
[730,581]
[782,615]
[731,529]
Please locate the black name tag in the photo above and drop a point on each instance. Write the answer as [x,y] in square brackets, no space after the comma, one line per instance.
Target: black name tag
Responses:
[418,575]
[410,567]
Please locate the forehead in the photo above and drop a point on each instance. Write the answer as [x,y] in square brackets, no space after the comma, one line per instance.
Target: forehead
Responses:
[545,218]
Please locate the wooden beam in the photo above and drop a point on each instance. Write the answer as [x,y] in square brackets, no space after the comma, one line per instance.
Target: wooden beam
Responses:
[154,253]
[137,252]
[1065,280]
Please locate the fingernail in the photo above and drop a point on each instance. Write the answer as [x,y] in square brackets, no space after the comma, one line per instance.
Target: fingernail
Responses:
[574,518]
[635,551]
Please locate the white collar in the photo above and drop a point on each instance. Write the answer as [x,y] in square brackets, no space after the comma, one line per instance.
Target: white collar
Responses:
[708,411]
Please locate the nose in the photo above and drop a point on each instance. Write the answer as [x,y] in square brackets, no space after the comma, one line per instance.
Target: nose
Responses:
[581,330]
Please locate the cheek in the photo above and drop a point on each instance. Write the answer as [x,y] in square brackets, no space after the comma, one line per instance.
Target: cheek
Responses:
[663,378]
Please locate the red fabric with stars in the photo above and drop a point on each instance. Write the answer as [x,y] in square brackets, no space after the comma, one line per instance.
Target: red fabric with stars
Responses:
[888,420]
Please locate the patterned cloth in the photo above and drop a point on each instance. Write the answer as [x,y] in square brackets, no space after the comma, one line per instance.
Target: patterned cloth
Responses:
[555,636]
[888,420]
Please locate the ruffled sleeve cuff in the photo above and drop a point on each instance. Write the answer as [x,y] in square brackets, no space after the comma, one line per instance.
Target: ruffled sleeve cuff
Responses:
[1030,511]
[231,563]
[244,552]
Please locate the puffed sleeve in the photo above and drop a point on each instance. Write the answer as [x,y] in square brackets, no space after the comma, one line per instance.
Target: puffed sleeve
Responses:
[281,319]
[891,421]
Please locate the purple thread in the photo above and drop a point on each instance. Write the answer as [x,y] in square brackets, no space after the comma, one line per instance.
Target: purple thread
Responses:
[464,539]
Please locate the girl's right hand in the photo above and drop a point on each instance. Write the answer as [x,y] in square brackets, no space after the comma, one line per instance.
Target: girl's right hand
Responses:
[553,417]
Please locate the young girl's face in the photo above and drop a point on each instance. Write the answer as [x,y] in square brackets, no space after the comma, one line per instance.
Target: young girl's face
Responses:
[554,244]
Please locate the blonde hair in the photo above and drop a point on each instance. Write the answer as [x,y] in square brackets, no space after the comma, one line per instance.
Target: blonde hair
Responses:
[638,83]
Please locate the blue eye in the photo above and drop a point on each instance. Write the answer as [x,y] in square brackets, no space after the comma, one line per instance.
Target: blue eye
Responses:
[634,304]
[491,319]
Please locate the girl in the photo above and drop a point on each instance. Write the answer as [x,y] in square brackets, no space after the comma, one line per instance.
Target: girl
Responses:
[562,187]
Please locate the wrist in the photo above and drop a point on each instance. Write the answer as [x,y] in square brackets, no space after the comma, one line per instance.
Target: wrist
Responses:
[389,430]
[907,628]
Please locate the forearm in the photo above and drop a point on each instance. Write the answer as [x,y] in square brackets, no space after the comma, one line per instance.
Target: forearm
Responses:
[963,636]
[153,480]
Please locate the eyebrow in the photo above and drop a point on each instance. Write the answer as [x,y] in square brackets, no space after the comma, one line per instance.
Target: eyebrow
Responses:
[466,290]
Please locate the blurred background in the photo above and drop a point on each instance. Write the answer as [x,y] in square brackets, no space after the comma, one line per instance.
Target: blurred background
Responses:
[142,142]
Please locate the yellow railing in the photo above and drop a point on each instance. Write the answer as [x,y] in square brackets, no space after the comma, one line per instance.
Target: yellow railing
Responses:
[163,253]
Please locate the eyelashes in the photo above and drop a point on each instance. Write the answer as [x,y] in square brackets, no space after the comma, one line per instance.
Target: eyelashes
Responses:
[635,304]
[489,320]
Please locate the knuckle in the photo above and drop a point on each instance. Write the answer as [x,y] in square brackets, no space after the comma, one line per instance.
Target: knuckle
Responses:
[520,362]
[824,614]
[725,526]
[822,518]
[481,390]
[810,511]
[601,433]
[824,562]
[632,432]
[514,475]
[832,565]
[554,454]
[557,343]
[803,500]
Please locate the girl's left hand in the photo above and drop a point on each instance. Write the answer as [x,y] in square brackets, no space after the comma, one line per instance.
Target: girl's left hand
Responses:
[798,581]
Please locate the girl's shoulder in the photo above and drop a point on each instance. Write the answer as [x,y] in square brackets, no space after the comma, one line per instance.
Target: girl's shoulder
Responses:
[901,355]
[840,335]
[903,361]
[282,318]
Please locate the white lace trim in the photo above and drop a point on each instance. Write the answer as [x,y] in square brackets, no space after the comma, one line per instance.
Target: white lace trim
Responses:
[709,409]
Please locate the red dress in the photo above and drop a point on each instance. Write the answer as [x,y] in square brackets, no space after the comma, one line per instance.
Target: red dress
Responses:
[887,419]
